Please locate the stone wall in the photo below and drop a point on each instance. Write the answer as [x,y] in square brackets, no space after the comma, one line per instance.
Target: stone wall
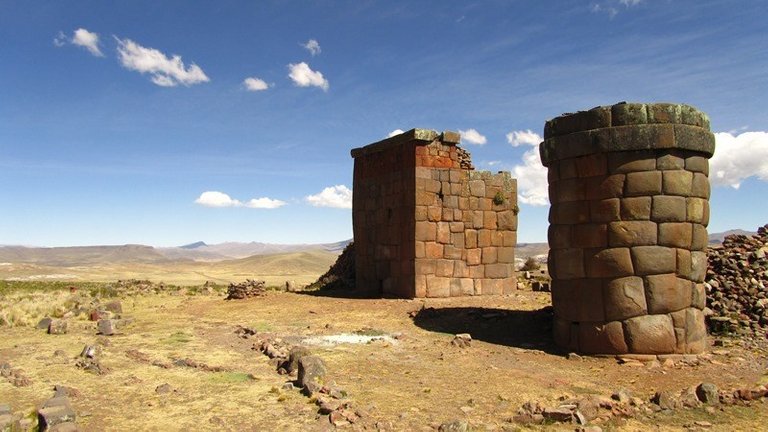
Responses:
[629,191]
[426,224]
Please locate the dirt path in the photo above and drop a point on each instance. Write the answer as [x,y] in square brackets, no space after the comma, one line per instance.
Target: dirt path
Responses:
[415,381]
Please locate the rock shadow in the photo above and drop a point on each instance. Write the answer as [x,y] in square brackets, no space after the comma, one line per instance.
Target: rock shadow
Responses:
[515,328]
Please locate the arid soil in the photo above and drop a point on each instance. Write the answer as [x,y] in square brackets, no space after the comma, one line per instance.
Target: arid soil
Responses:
[415,380]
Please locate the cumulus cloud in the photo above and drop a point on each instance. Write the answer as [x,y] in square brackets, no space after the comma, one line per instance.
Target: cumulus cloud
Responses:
[630,3]
[303,76]
[220,199]
[164,71]
[60,40]
[338,196]
[255,84]
[312,46]
[87,40]
[738,157]
[472,136]
[523,137]
[395,132]
[531,174]
[611,7]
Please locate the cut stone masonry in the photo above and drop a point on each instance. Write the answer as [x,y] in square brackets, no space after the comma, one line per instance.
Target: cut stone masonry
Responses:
[426,224]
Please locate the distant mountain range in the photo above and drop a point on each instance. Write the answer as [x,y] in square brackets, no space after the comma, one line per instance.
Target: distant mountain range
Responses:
[141,254]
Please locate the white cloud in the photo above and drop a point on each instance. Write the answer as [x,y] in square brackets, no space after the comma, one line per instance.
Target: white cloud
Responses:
[738,157]
[523,137]
[395,132]
[303,76]
[531,175]
[164,71]
[312,46]
[472,136]
[338,196]
[255,84]
[220,199]
[217,199]
[630,3]
[87,40]
[60,40]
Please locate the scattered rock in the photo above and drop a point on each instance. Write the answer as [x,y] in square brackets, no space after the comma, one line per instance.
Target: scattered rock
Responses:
[247,289]
[707,393]
[454,426]
[64,391]
[341,275]
[622,395]
[311,369]
[106,327]
[295,354]
[163,389]
[563,415]
[89,351]
[290,286]
[114,306]
[462,340]
[44,323]
[574,356]
[55,411]
[57,327]
[664,400]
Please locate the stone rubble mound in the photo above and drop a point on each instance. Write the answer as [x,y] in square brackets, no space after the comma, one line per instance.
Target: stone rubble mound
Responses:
[243,290]
[341,275]
[737,284]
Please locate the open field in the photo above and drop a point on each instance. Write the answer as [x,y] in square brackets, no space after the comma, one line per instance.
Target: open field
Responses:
[415,380]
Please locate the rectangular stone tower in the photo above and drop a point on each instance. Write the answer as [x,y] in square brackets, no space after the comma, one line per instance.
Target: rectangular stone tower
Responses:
[426,224]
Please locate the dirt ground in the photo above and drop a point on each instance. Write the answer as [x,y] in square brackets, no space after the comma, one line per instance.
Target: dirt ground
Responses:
[415,381]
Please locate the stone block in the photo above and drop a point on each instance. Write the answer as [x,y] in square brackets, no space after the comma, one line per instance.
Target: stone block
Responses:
[470,238]
[460,269]
[420,212]
[578,300]
[695,209]
[489,220]
[668,209]
[700,186]
[670,161]
[509,238]
[698,266]
[590,235]
[426,231]
[420,286]
[664,113]
[58,327]
[561,331]
[628,114]
[457,240]
[636,208]
[599,338]
[699,164]
[650,260]
[605,263]
[677,182]
[667,293]
[425,266]
[484,238]
[595,118]
[559,236]
[696,331]
[476,271]
[643,183]
[675,234]
[438,286]
[699,296]
[474,256]
[568,190]
[684,263]
[493,286]
[631,161]
[632,233]
[700,239]
[506,255]
[434,213]
[477,219]
[624,298]
[444,268]
[592,165]
[490,255]
[507,220]
[568,263]
[456,227]
[574,212]
[610,186]
[606,210]
[477,188]
[499,271]
[462,287]
[433,250]
[650,334]
[695,138]
[443,232]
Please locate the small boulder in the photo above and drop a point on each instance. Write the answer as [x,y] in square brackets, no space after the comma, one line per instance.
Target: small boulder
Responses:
[106,327]
[44,323]
[707,393]
[454,426]
[563,415]
[311,370]
[664,400]
[462,340]
[163,389]
[290,286]
[55,411]
[296,354]
[57,327]
[114,306]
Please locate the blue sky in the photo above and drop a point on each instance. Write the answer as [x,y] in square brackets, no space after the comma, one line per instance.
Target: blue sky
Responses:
[107,138]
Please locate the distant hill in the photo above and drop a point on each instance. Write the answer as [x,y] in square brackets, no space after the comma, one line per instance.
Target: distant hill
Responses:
[194,245]
[81,255]
[717,238]
[234,250]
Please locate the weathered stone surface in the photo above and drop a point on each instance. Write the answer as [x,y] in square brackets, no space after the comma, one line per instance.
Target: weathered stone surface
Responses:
[650,334]
[55,411]
[668,208]
[675,234]
[632,233]
[636,208]
[590,235]
[57,327]
[643,183]
[578,300]
[598,338]
[631,161]
[607,210]
[311,369]
[707,393]
[613,262]
[569,263]
[624,298]
[667,293]
[106,327]
[649,260]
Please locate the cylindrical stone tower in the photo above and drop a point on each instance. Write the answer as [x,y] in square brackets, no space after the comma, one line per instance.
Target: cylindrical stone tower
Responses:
[629,190]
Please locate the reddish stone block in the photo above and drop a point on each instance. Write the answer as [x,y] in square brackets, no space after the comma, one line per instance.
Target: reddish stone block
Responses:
[433,250]
[568,263]
[624,298]
[667,293]
[426,231]
[489,256]
[444,268]
[474,256]
[438,286]
[632,233]
[700,239]
[636,208]
[498,271]
[506,220]
[599,338]
[650,334]
[677,235]
[484,238]
[470,239]
[489,220]
[592,165]
[606,210]
[443,232]
[506,255]
[590,235]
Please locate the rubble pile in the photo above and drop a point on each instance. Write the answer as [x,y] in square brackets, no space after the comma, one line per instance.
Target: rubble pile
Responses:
[737,284]
[341,275]
[243,290]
